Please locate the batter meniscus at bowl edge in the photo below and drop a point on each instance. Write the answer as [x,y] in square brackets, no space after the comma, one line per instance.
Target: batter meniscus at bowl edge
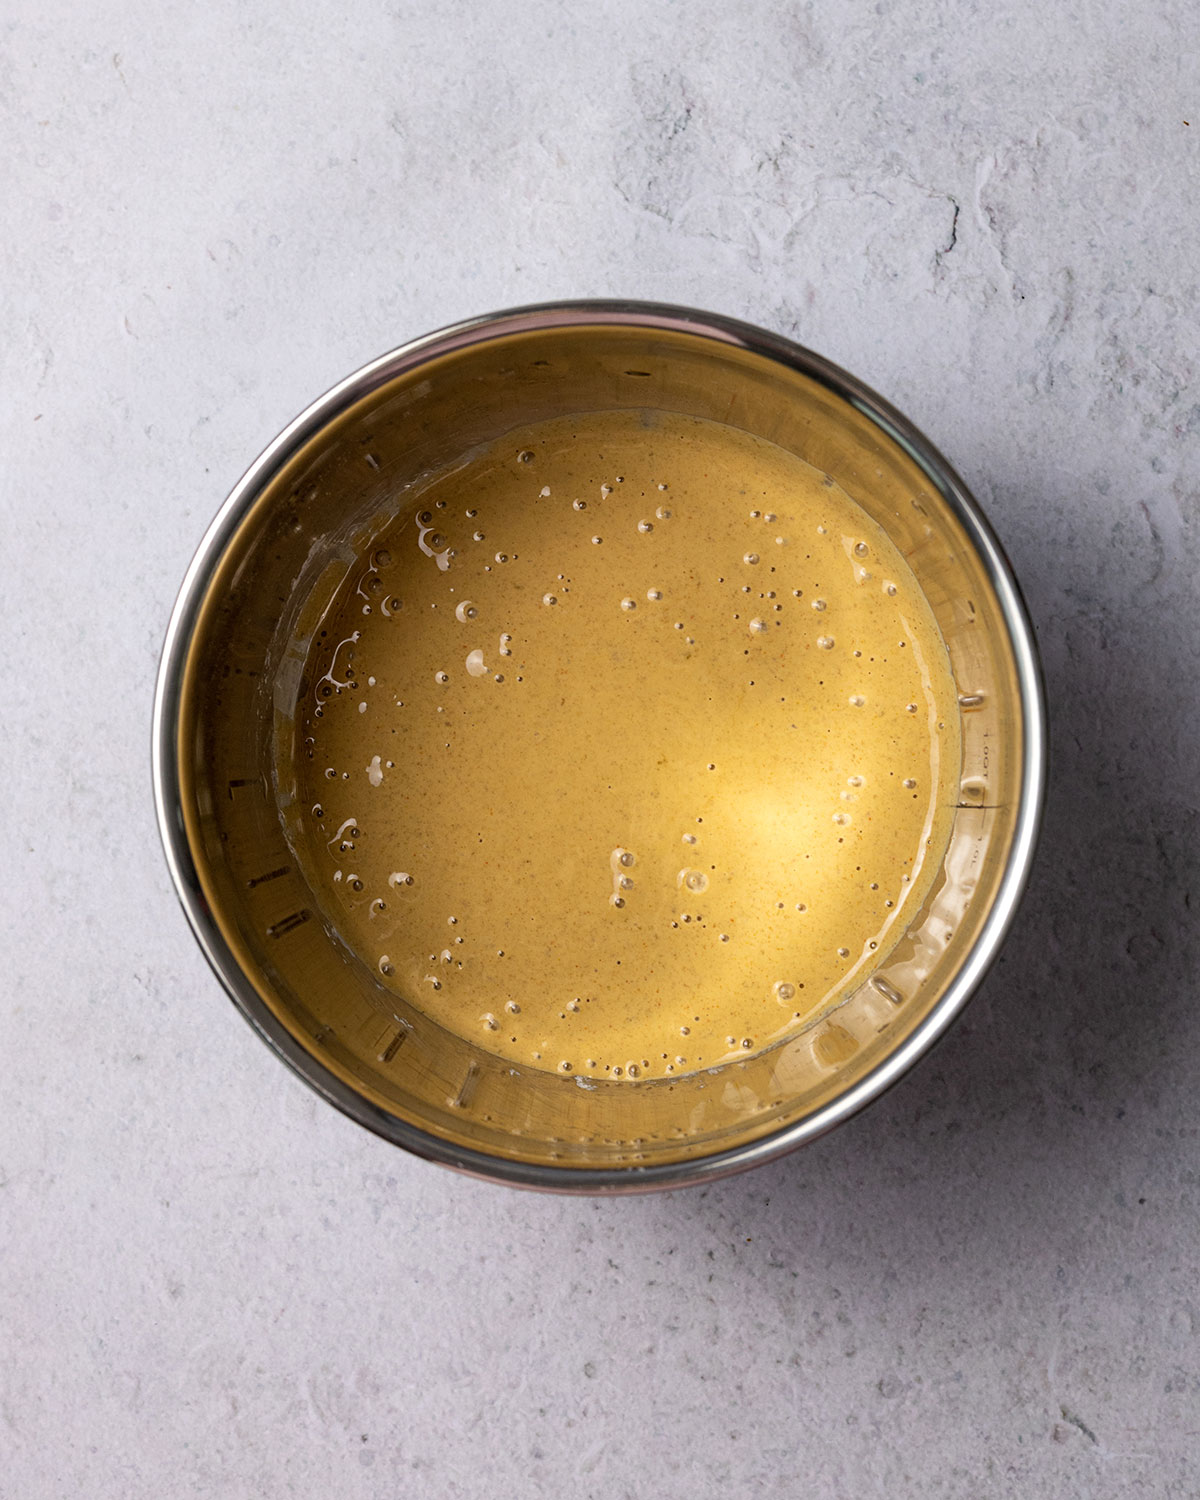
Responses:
[630,746]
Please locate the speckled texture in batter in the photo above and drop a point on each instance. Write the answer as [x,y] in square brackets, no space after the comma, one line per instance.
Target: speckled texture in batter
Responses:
[632,746]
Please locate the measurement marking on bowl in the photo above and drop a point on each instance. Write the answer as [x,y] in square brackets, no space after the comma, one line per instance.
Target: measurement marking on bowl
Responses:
[395,1044]
[270,875]
[466,1091]
[289,924]
[889,991]
[242,781]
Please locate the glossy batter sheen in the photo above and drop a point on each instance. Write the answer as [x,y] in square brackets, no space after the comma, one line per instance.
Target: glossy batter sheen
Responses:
[634,745]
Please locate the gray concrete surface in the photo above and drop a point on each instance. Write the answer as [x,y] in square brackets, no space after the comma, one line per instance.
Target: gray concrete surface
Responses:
[214,1285]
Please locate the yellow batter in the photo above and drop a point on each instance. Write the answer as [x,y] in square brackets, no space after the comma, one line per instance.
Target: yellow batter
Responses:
[634,746]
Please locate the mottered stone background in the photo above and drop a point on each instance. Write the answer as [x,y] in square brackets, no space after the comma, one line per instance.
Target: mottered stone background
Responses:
[987,1285]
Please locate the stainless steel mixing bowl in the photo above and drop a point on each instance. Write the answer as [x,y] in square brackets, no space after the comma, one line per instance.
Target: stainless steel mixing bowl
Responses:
[227,688]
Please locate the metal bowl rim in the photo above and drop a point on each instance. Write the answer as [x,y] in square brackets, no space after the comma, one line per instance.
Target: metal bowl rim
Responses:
[342,397]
